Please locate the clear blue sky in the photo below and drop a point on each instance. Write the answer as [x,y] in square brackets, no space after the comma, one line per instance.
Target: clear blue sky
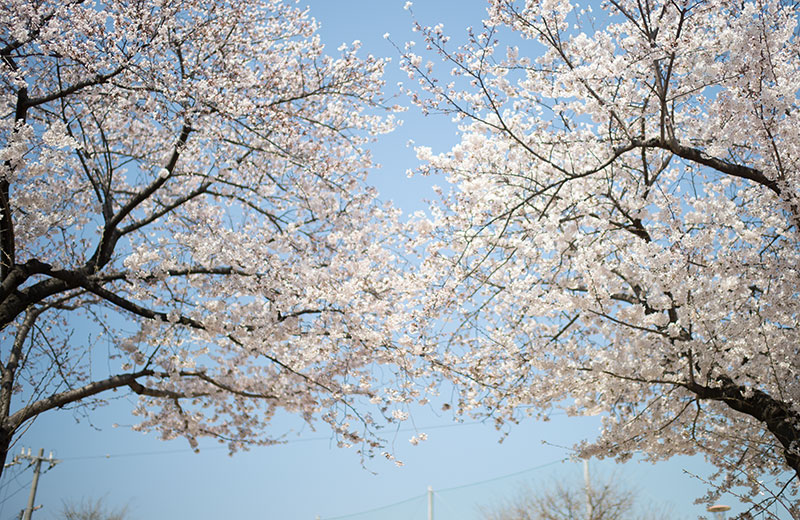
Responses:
[309,476]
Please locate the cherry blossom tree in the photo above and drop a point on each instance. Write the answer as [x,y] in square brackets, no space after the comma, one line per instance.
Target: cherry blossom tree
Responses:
[622,236]
[184,218]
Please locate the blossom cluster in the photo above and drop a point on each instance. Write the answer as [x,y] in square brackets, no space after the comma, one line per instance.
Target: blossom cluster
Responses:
[621,237]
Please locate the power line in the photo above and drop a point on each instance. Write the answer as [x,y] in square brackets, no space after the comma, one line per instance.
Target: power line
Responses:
[10,496]
[501,477]
[471,484]
[218,448]
[379,508]
[11,475]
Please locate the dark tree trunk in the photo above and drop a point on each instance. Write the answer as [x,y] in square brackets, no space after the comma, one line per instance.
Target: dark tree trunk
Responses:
[5,443]
[777,416]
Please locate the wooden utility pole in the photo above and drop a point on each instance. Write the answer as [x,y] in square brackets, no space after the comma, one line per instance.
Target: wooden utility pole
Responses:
[430,503]
[588,483]
[36,461]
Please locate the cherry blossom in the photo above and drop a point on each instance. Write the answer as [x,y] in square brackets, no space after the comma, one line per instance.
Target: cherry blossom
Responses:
[184,217]
[622,234]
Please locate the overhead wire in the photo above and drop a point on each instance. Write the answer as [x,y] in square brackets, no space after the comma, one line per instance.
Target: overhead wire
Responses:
[10,496]
[217,448]
[462,486]
[376,509]
[509,475]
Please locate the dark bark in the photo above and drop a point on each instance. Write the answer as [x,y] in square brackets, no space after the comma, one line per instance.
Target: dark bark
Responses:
[17,299]
[777,416]
[7,242]
[698,156]
[5,445]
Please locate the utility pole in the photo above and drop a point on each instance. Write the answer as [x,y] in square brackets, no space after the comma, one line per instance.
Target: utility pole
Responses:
[588,482]
[36,461]
[430,503]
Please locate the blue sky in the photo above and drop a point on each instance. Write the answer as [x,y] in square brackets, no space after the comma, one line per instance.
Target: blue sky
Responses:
[309,477]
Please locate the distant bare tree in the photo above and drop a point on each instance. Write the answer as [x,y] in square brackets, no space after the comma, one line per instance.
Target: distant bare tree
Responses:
[606,499]
[89,509]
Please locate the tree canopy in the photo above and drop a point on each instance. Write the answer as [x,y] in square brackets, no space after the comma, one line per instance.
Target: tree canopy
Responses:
[622,235]
[184,217]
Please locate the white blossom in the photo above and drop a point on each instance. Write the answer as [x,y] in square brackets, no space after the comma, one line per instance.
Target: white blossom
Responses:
[621,236]
[201,200]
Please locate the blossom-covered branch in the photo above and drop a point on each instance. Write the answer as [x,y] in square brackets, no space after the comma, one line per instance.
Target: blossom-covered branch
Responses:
[622,235]
[184,181]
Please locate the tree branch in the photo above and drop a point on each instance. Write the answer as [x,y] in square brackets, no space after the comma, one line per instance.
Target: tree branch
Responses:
[700,157]
[778,416]
[111,234]
[70,396]
[98,79]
